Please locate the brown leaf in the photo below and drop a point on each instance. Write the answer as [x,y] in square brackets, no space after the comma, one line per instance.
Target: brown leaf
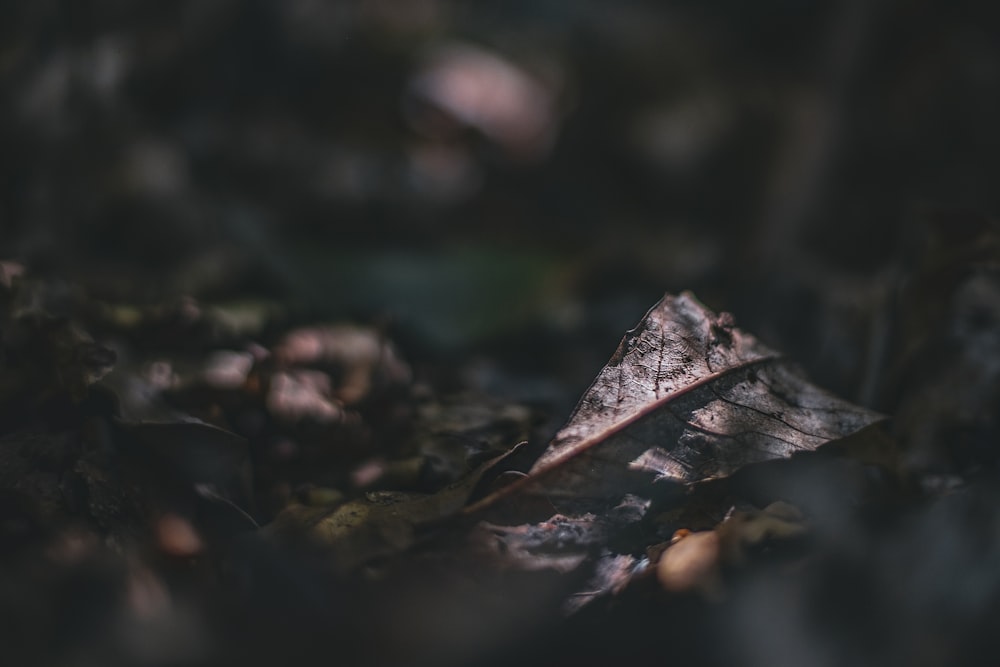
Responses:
[380,524]
[686,398]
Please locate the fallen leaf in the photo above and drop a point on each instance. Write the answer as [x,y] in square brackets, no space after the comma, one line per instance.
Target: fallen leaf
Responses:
[381,523]
[686,398]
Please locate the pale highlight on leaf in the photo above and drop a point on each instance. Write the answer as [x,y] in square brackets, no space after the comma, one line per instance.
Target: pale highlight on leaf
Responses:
[687,397]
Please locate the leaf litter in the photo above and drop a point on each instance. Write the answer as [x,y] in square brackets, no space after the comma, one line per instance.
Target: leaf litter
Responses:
[639,491]
[687,399]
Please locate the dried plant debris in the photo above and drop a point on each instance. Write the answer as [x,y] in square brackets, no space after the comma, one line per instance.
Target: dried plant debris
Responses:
[381,523]
[453,434]
[687,398]
[213,437]
[660,487]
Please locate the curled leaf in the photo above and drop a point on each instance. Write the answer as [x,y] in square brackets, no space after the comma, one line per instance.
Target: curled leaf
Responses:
[686,398]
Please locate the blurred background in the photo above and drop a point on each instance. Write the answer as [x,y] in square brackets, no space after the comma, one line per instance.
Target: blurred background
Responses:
[515,180]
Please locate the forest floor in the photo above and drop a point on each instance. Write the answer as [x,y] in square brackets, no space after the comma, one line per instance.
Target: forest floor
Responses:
[340,334]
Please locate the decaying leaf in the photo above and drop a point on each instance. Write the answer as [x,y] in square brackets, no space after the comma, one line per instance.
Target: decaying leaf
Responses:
[687,398]
[560,542]
[380,524]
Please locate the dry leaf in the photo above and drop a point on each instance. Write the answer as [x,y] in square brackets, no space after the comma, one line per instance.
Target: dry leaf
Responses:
[380,524]
[686,398]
